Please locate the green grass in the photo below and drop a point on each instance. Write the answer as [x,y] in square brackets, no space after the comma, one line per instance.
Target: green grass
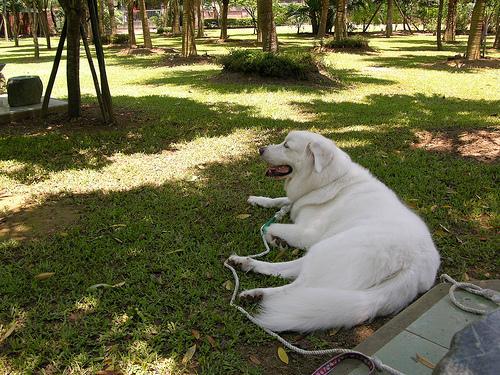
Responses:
[158,198]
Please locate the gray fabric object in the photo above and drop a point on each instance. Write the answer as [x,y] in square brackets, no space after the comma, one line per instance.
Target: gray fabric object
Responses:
[24,90]
[475,350]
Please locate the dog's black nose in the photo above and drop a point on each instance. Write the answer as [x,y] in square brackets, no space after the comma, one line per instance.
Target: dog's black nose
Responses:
[261,150]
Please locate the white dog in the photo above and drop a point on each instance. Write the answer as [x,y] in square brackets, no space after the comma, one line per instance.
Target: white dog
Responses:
[367,253]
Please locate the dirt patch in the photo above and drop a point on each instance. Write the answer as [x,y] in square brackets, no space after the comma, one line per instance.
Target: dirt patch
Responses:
[146,51]
[178,60]
[33,221]
[90,120]
[482,145]
[356,51]
[314,80]
[267,358]
[457,62]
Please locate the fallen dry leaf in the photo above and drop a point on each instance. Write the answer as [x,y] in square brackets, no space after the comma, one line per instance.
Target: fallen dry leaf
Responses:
[243,216]
[9,331]
[282,355]
[196,334]
[254,360]
[425,361]
[212,342]
[44,275]
[228,285]
[189,354]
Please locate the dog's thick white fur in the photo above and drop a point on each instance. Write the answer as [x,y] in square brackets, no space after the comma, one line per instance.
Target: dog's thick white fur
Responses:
[367,253]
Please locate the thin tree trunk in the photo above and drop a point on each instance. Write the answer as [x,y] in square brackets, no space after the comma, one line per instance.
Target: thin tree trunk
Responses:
[112,20]
[267,25]
[201,26]
[33,16]
[439,24]
[16,28]
[314,21]
[188,43]
[145,25]
[340,28]
[475,33]
[176,27]
[451,21]
[130,24]
[73,12]
[496,43]
[325,4]
[223,26]
[4,16]
[100,10]
[388,28]
[45,24]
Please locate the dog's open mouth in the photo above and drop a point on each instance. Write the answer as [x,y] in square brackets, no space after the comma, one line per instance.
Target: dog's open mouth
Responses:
[278,171]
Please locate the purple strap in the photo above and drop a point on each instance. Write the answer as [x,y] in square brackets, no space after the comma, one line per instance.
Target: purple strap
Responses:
[329,366]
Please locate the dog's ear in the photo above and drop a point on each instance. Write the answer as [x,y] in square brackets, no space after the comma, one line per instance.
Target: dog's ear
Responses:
[322,155]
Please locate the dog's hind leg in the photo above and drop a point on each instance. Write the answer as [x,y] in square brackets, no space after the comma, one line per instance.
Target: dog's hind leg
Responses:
[268,202]
[286,270]
[259,293]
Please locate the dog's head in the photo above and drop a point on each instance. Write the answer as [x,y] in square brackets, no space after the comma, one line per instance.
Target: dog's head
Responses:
[305,160]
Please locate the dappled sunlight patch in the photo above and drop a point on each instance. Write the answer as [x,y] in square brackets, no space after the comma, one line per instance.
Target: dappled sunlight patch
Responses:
[482,145]
[353,143]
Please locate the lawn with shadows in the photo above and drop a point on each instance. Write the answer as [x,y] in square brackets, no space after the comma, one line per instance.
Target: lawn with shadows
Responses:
[153,204]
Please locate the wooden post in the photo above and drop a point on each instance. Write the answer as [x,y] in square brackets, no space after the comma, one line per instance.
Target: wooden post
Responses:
[106,95]
[53,73]
[372,17]
[405,21]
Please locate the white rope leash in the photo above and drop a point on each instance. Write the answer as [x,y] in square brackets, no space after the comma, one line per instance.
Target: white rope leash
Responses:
[471,288]
[278,216]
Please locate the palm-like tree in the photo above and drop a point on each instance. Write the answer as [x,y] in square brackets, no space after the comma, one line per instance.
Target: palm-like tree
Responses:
[476,30]
[451,21]
[145,25]
[267,25]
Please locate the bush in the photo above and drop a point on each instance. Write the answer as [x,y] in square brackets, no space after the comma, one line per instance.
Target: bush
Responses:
[355,42]
[213,23]
[296,65]
[160,30]
[119,39]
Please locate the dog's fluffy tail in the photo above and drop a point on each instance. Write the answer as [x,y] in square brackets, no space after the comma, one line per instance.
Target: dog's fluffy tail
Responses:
[307,309]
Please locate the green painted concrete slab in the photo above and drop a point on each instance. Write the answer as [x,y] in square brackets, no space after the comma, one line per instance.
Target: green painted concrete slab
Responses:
[441,321]
[401,353]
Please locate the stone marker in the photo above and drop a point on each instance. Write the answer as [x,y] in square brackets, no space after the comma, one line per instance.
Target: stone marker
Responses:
[24,90]
[475,350]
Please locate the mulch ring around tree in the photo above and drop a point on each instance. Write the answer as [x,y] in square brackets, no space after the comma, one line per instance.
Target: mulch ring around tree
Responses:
[458,62]
[351,50]
[316,80]
[172,60]
[146,51]
[482,145]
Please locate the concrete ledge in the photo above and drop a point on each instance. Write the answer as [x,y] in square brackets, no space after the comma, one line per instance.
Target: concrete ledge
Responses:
[9,114]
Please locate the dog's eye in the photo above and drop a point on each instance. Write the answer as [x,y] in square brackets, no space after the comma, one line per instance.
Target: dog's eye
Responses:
[285,145]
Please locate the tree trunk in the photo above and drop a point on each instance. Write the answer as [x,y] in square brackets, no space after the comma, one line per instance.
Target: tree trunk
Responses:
[201,27]
[496,43]
[476,30]
[4,16]
[112,20]
[16,28]
[267,25]
[223,26]
[340,27]
[451,21]
[130,24]
[145,25]
[45,24]
[100,13]
[188,43]
[388,27]
[73,11]
[33,16]
[325,4]
[176,27]
[439,24]
[314,21]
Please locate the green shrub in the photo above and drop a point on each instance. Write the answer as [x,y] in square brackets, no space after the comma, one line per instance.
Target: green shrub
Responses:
[119,39]
[160,30]
[355,42]
[213,23]
[296,65]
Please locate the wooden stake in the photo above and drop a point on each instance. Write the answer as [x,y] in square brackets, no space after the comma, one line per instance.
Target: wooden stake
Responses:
[371,19]
[53,73]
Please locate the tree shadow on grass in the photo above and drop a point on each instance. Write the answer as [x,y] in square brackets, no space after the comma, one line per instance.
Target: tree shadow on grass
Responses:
[168,240]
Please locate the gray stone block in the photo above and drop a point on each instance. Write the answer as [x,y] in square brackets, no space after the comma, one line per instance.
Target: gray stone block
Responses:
[24,90]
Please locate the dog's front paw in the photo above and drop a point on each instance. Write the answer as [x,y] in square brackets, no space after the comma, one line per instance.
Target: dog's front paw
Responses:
[253,200]
[243,263]
[274,240]
[252,295]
